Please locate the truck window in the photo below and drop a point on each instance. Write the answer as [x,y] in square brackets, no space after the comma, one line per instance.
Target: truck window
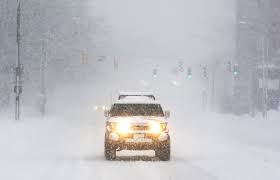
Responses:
[136,110]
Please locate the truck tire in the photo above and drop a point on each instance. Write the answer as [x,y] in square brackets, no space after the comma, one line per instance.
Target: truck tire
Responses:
[163,151]
[109,151]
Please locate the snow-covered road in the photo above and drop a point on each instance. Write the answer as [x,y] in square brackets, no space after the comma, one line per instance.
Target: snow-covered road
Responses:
[57,148]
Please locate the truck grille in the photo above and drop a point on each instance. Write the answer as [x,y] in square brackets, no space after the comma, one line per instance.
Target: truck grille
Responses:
[139,127]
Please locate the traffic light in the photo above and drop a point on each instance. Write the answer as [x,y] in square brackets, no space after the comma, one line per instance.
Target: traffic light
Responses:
[155,73]
[181,66]
[236,70]
[189,73]
[83,58]
[205,72]
[229,66]
[116,64]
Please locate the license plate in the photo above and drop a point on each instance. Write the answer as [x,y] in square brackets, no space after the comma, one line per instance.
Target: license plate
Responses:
[139,136]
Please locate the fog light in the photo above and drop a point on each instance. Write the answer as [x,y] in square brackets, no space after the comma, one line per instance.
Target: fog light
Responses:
[114,137]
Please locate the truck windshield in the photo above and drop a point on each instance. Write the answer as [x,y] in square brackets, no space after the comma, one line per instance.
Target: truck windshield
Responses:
[136,110]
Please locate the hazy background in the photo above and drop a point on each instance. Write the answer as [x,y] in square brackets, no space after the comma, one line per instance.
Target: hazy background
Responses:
[78,44]
[194,29]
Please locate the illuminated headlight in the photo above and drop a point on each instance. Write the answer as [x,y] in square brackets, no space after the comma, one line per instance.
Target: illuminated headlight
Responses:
[120,127]
[158,127]
[123,127]
[155,127]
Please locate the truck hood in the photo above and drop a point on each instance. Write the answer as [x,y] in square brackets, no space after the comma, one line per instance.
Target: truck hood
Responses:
[138,119]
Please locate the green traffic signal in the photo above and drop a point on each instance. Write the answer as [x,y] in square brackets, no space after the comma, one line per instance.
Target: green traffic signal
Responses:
[229,66]
[189,74]
[205,72]
[155,73]
[236,70]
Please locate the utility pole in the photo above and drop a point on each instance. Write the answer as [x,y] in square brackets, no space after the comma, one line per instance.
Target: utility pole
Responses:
[43,98]
[265,58]
[264,78]
[19,67]
[213,85]
[116,63]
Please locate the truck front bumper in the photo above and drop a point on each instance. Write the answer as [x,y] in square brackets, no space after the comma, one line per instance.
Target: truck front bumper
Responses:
[135,141]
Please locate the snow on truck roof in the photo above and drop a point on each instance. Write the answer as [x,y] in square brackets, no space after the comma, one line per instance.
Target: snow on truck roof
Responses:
[125,95]
[136,100]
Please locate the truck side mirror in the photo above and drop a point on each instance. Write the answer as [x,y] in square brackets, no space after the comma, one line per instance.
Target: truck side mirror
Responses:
[106,113]
[167,114]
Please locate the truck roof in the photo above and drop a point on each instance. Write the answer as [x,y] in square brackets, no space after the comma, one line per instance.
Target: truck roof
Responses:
[125,95]
[136,100]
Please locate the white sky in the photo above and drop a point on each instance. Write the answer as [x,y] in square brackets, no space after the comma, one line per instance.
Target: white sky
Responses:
[195,29]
